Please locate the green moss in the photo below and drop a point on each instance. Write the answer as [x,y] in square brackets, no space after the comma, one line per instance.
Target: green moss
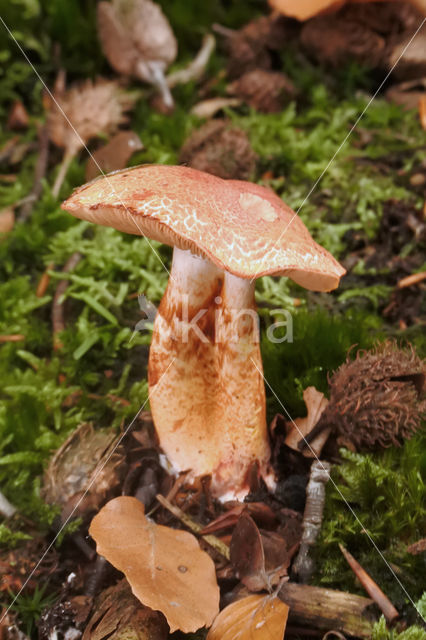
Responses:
[386,493]
[320,343]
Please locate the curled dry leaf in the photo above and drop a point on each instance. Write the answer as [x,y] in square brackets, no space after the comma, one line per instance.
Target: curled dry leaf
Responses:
[298,429]
[247,557]
[253,618]
[18,117]
[165,567]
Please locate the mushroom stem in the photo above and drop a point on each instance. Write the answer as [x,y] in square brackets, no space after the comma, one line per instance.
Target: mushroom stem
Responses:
[240,365]
[207,397]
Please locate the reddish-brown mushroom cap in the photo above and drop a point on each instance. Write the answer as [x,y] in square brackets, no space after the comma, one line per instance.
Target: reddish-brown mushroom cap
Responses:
[241,227]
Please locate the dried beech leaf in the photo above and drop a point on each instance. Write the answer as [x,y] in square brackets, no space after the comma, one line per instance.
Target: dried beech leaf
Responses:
[114,155]
[315,402]
[165,567]
[278,555]
[247,557]
[252,618]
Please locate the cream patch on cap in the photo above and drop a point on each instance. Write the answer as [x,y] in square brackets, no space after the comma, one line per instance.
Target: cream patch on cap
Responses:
[257,206]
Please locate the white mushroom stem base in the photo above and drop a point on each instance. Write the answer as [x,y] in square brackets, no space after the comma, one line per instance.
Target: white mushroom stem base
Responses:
[205,376]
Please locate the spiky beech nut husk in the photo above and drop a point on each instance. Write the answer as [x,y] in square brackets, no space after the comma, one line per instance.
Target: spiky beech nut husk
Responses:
[221,150]
[252,46]
[84,471]
[266,91]
[376,399]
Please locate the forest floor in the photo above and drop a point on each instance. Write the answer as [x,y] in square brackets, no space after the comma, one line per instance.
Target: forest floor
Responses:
[69,353]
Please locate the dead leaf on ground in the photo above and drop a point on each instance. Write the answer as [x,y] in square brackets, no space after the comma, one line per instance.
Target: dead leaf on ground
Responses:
[298,429]
[18,117]
[253,618]
[247,557]
[165,567]
[114,155]
[278,555]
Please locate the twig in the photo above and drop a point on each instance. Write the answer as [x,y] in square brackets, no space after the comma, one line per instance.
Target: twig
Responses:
[14,337]
[96,577]
[58,321]
[303,566]
[6,508]
[371,587]
[39,173]
[223,31]
[325,609]
[44,281]
[64,166]
[214,542]
[195,69]
[414,278]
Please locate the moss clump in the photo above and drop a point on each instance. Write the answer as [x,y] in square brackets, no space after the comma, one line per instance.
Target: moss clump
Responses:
[376,498]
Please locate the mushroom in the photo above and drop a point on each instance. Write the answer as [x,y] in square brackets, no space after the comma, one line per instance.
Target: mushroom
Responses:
[205,371]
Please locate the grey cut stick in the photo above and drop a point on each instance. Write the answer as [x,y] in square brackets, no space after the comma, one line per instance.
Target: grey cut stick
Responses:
[303,566]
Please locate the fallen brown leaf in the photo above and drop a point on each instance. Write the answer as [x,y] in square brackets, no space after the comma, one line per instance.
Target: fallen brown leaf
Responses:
[247,557]
[114,155]
[299,428]
[253,618]
[165,567]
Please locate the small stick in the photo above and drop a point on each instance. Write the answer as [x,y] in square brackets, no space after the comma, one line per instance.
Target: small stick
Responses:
[371,587]
[214,542]
[414,278]
[63,169]
[58,321]
[223,31]
[14,337]
[195,69]
[303,566]
[39,173]
[44,281]
[6,508]
[96,577]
